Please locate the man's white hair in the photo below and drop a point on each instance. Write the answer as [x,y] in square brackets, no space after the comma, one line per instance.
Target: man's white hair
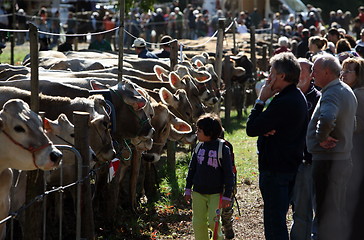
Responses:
[283,41]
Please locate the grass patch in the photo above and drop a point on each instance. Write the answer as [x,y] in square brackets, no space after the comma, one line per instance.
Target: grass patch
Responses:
[19,53]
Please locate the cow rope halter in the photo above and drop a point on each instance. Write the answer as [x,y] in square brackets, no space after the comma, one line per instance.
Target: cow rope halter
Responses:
[30,149]
[141,122]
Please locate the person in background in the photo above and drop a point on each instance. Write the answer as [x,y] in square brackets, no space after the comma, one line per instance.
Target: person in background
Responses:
[71,22]
[99,43]
[55,28]
[2,46]
[210,178]
[4,23]
[329,140]
[333,35]
[159,23]
[44,39]
[281,131]
[359,48]
[283,43]
[166,46]
[302,47]
[343,50]
[316,46]
[303,199]
[67,45]
[141,49]
[21,25]
[352,73]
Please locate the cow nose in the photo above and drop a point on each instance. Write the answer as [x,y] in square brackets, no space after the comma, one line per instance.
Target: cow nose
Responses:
[56,156]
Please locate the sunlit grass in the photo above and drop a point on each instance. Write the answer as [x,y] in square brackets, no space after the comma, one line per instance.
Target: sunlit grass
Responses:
[20,51]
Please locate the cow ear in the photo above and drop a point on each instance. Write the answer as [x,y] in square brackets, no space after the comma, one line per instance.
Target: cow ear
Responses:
[46,125]
[166,97]
[159,71]
[174,80]
[51,126]
[95,85]
[204,77]
[238,71]
[63,119]
[199,63]
[181,126]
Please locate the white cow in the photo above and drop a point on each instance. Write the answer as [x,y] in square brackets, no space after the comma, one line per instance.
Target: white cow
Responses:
[24,146]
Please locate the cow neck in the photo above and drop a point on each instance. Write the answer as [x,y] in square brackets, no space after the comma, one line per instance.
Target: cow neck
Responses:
[30,149]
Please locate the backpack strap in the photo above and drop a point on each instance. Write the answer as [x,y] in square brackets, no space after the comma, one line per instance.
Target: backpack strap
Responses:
[198,147]
[219,151]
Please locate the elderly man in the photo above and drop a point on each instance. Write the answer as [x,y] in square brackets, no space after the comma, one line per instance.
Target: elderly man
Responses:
[329,140]
[303,190]
[281,129]
[141,49]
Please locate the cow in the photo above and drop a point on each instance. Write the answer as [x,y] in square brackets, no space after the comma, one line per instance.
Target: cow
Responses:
[146,64]
[50,88]
[53,106]
[24,146]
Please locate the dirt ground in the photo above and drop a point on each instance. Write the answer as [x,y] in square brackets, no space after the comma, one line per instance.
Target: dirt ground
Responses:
[248,225]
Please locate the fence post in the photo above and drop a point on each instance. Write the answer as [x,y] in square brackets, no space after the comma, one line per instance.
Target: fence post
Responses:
[235,51]
[34,77]
[174,54]
[253,51]
[171,145]
[271,36]
[121,39]
[13,34]
[218,61]
[228,90]
[35,184]
[81,120]
[264,58]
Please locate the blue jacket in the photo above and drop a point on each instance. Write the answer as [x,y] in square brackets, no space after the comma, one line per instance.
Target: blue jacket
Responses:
[146,54]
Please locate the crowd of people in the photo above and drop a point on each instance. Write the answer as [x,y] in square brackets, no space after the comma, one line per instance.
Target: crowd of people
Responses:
[190,22]
[309,134]
[309,142]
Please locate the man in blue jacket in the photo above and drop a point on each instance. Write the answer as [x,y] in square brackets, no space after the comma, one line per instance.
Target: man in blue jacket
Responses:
[281,131]
[141,49]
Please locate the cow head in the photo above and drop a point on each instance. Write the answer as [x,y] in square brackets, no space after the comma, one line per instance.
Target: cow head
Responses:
[24,145]
[164,122]
[178,103]
[132,121]
[100,125]
[189,86]
[60,131]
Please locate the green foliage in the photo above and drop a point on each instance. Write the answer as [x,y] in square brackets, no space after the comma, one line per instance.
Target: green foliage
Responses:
[144,5]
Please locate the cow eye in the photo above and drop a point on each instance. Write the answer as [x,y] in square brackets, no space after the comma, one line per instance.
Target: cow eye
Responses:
[19,129]
[72,135]
[188,114]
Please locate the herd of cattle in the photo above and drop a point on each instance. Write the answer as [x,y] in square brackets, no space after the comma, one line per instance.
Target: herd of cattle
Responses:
[132,118]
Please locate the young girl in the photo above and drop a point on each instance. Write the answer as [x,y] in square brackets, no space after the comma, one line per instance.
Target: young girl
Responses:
[212,179]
